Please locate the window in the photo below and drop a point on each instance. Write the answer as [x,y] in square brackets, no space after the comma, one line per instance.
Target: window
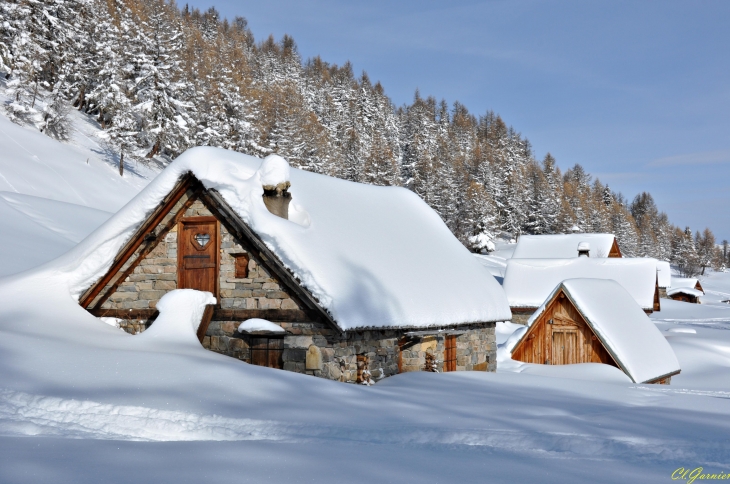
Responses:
[241,265]
[267,351]
[450,353]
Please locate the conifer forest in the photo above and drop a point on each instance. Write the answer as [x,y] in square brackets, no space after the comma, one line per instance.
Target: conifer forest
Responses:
[160,79]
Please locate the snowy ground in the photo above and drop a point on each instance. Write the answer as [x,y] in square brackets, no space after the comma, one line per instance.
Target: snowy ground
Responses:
[81,401]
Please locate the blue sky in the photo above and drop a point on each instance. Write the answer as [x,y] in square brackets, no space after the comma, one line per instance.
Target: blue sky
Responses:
[636,92]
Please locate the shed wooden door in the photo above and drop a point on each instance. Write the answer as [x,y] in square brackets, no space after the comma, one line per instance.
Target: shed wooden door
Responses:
[450,353]
[198,254]
[267,351]
[565,347]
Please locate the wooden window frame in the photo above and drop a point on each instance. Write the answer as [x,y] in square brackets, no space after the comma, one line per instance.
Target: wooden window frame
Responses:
[241,265]
[268,350]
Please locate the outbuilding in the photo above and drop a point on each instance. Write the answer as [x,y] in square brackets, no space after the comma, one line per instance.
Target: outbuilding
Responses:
[527,282]
[691,282]
[685,294]
[595,321]
[564,246]
[338,267]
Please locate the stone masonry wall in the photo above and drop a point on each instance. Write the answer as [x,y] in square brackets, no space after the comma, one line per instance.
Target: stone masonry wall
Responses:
[521,318]
[314,348]
[157,274]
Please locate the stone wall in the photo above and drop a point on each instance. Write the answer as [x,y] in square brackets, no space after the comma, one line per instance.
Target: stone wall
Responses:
[316,349]
[156,274]
[521,317]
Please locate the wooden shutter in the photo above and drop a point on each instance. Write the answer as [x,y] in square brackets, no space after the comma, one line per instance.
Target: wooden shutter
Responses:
[267,351]
[241,265]
[450,353]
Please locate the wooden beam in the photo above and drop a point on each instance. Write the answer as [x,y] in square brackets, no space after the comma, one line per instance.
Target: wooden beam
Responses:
[140,314]
[279,315]
[205,321]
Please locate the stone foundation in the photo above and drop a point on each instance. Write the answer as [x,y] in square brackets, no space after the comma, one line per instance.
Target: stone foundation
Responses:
[314,348]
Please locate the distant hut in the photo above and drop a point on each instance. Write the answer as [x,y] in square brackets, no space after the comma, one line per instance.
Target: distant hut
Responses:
[692,282]
[564,246]
[527,282]
[664,277]
[685,294]
[596,321]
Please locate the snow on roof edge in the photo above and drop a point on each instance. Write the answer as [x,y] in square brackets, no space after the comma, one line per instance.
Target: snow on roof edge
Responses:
[227,171]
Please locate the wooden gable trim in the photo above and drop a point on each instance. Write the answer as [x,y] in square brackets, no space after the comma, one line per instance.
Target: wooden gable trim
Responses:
[615,249]
[698,286]
[144,235]
[657,303]
[246,237]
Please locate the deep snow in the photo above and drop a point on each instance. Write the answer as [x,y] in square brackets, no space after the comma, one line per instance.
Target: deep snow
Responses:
[82,401]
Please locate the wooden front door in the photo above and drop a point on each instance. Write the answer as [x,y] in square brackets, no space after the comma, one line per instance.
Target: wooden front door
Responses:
[450,353]
[198,254]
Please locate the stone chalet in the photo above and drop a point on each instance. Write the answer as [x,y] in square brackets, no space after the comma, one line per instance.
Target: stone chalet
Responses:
[373,316]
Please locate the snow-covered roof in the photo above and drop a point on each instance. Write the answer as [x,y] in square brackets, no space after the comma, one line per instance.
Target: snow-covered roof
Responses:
[628,334]
[527,282]
[683,282]
[561,246]
[371,256]
[690,291]
[664,273]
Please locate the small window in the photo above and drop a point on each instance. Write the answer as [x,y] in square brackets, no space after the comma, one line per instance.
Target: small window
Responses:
[450,353]
[241,265]
[267,351]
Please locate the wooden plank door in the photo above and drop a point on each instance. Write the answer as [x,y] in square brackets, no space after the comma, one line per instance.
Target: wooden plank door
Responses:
[198,254]
[565,347]
[450,353]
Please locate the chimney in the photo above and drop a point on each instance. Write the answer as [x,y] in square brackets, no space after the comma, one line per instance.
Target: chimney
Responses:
[277,198]
[584,249]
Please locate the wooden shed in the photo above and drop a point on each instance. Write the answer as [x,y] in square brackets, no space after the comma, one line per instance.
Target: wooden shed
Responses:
[596,321]
[685,294]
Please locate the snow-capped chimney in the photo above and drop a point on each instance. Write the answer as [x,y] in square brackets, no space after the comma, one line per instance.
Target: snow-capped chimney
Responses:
[584,249]
[275,181]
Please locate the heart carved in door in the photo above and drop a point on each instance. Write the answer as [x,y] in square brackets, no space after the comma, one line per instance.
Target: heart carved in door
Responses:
[202,240]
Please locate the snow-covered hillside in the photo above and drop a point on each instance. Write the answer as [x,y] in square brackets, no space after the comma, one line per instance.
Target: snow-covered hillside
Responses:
[81,401]
[54,194]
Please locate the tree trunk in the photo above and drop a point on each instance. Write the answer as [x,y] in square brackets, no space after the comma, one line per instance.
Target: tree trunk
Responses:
[121,164]
[81,100]
[155,149]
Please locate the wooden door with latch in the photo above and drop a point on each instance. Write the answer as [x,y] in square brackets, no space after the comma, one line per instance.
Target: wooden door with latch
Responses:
[198,254]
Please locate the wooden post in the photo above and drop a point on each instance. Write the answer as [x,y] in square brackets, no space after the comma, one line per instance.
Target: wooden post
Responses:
[205,322]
